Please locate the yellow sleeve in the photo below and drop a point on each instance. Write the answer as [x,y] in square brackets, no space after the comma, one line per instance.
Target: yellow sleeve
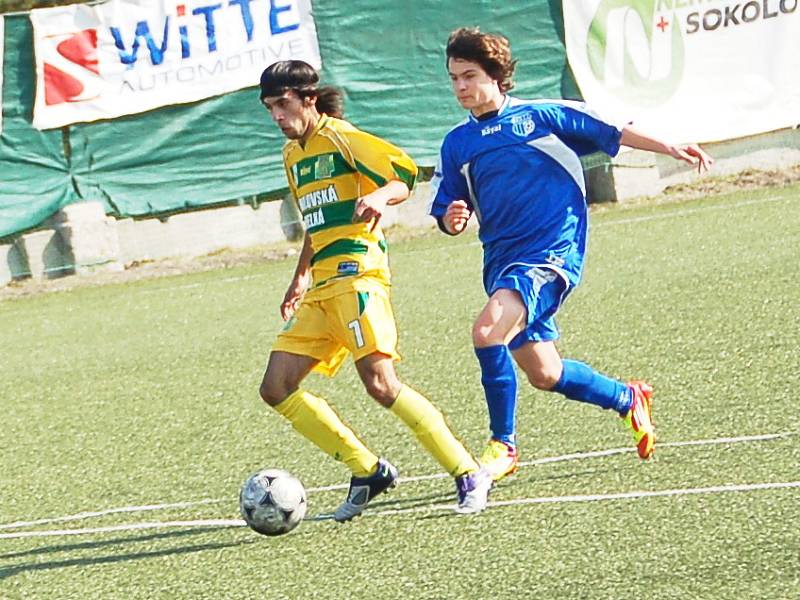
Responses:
[289,175]
[380,160]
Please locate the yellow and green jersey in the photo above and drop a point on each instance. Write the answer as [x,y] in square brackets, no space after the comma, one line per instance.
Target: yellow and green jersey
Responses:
[338,164]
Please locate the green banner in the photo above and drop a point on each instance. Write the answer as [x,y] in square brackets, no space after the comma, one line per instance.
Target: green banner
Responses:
[390,63]
[34,172]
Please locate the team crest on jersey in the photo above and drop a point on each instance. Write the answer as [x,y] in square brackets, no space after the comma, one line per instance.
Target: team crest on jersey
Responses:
[522,125]
[323,167]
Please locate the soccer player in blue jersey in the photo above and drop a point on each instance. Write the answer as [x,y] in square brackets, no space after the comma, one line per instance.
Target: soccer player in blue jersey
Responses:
[515,165]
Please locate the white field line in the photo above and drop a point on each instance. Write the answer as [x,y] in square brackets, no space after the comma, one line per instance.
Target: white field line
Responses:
[343,486]
[449,247]
[128,527]
[689,211]
[717,489]
[108,511]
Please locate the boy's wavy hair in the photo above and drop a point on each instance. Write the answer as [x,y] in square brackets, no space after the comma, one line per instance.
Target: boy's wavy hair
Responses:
[302,79]
[491,51]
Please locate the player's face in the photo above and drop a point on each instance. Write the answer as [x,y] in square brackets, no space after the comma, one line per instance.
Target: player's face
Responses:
[473,87]
[294,115]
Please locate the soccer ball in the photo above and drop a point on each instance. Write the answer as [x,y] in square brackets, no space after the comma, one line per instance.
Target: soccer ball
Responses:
[272,502]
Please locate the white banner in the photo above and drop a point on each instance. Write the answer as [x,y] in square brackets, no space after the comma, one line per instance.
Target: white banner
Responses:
[128,56]
[688,71]
[2,47]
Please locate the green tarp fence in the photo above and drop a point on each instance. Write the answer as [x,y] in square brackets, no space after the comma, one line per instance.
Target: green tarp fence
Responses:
[388,58]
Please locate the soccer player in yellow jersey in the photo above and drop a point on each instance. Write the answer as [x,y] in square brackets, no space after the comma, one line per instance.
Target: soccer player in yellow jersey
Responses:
[338,300]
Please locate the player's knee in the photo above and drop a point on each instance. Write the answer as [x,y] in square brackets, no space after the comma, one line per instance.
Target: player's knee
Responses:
[544,378]
[273,391]
[382,388]
[484,335]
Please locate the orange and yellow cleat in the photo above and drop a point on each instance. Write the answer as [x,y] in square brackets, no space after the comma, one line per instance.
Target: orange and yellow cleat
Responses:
[640,418]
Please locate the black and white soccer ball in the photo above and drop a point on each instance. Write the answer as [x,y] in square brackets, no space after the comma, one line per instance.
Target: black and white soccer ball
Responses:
[272,502]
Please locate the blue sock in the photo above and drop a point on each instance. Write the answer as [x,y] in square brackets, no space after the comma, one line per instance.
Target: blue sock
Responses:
[499,380]
[580,382]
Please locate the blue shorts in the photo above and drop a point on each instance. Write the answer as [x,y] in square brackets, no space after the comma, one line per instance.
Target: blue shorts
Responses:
[543,289]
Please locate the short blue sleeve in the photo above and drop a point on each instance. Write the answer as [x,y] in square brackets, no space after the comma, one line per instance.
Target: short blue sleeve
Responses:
[582,130]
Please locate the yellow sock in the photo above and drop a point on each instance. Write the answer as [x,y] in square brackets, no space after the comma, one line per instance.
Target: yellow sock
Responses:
[432,431]
[317,422]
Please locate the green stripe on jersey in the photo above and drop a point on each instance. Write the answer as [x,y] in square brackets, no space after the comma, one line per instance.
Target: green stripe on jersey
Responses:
[405,175]
[329,215]
[321,166]
[340,247]
[363,298]
[377,179]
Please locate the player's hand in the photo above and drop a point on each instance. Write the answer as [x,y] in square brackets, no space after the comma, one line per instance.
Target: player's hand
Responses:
[369,208]
[456,217]
[694,155]
[293,296]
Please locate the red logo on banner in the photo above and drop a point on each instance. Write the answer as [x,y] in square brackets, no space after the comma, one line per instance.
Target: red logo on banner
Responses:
[80,49]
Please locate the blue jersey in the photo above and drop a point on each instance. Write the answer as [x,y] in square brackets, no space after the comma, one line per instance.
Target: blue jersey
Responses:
[520,173]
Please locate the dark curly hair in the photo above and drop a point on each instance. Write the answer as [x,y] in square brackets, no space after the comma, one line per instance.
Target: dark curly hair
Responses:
[491,51]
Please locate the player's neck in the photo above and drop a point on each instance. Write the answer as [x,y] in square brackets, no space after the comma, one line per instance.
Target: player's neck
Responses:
[311,128]
[493,104]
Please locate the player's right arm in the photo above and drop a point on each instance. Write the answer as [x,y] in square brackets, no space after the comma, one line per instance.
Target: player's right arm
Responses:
[300,281]
[456,216]
[302,273]
[449,193]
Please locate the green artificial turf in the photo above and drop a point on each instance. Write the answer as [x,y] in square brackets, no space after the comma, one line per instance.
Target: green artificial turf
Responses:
[145,395]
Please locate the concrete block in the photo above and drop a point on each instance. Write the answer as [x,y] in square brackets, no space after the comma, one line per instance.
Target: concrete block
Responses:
[81,212]
[143,240]
[89,237]
[637,173]
[772,151]
[205,231]
[289,217]
[413,212]
[45,255]
[277,221]
[630,174]
[9,263]
[234,227]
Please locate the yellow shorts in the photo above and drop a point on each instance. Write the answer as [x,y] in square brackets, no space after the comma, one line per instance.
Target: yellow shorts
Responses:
[357,322]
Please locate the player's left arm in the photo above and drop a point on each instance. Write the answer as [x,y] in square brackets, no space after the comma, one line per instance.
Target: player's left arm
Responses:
[389,168]
[585,131]
[688,153]
[371,207]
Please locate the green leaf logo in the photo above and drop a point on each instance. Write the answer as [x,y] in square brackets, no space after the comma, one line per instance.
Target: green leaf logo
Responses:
[636,50]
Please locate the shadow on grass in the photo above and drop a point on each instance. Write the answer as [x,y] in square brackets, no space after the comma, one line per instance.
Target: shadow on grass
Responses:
[519,480]
[392,504]
[10,571]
